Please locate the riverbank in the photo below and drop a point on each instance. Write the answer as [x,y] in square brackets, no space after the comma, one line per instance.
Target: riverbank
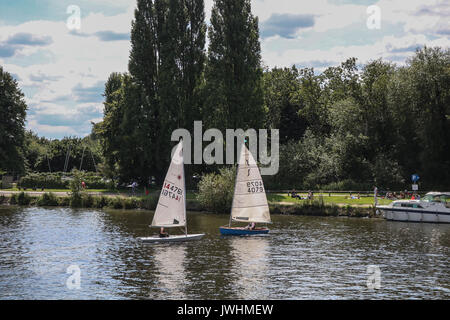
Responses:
[321,205]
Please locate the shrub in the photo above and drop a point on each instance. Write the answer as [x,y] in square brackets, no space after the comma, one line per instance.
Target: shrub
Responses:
[75,194]
[64,201]
[346,185]
[23,199]
[149,202]
[130,203]
[100,202]
[216,190]
[115,203]
[43,180]
[88,201]
[60,180]
[48,199]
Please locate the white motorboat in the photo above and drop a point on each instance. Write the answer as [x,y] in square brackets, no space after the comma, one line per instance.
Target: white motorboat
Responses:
[433,207]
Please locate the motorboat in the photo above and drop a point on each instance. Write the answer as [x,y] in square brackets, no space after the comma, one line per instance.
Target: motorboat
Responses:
[433,207]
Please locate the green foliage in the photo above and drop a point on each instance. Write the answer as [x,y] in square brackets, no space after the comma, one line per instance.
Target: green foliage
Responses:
[22,199]
[234,86]
[159,95]
[60,180]
[48,199]
[76,190]
[216,190]
[100,202]
[149,202]
[45,155]
[12,125]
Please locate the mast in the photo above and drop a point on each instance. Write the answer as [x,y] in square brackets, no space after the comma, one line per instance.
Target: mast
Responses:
[185,191]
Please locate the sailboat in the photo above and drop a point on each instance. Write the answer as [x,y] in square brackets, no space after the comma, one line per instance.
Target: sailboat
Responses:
[249,200]
[171,209]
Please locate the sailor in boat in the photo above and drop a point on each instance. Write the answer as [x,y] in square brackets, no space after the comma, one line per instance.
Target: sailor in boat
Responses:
[162,233]
[251,226]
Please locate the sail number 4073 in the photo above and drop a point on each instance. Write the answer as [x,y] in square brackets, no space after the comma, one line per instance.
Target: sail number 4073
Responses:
[255,186]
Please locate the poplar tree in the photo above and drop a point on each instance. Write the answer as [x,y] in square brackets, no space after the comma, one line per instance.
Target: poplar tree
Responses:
[234,72]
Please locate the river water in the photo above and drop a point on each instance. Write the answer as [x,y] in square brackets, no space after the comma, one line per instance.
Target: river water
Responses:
[301,258]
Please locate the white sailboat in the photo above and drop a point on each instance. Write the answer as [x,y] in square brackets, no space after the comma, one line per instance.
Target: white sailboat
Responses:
[249,200]
[171,209]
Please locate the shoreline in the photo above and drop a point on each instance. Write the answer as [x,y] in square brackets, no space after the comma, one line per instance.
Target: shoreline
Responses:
[98,200]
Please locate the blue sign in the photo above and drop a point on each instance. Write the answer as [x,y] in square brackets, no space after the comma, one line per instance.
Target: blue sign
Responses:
[415,178]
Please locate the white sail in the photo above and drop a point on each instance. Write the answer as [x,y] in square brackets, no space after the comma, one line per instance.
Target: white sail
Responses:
[171,209]
[249,201]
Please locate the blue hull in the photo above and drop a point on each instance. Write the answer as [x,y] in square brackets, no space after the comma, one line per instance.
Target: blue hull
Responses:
[227,231]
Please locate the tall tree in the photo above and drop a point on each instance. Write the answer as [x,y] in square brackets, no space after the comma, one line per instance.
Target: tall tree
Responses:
[234,73]
[161,94]
[12,124]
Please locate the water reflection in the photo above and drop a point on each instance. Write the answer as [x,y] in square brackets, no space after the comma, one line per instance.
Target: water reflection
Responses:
[250,265]
[170,270]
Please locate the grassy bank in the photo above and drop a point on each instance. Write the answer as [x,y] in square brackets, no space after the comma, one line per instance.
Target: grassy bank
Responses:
[278,203]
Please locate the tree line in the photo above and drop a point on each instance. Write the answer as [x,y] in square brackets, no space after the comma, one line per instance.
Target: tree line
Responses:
[350,126]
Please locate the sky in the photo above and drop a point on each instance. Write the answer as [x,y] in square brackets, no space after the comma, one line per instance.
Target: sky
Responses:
[61,66]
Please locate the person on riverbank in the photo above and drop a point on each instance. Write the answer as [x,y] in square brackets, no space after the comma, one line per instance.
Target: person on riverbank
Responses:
[375,195]
[133,187]
[162,233]
[295,195]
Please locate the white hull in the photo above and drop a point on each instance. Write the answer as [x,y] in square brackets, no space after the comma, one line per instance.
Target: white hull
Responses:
[434,208]
[177,238]
[412,216]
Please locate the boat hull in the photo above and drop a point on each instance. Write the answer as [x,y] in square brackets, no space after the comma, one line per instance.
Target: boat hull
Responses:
[177,238]
[395,214]
[228,231]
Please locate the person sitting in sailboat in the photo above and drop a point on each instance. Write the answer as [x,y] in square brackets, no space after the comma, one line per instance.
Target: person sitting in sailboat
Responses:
[251,226]
[162,233]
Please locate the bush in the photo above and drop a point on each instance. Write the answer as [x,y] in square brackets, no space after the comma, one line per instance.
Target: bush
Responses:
[64,201]
[100,202]
[43,180]
[75,194]
[149,202]
[55,180]
[88,201]
[22,199]
[216,190]
[130,203]
[346,185]
[48,199]
[115,203]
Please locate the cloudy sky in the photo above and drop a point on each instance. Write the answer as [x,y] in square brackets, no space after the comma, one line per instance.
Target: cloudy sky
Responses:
[62,71]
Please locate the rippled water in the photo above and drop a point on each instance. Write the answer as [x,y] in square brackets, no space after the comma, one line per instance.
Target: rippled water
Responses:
[302,258]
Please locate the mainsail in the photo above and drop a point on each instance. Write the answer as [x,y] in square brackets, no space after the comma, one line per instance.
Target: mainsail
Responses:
[249,201]
[171,209]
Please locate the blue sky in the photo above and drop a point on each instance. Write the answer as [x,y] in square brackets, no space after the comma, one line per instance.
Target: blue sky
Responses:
[62,72]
